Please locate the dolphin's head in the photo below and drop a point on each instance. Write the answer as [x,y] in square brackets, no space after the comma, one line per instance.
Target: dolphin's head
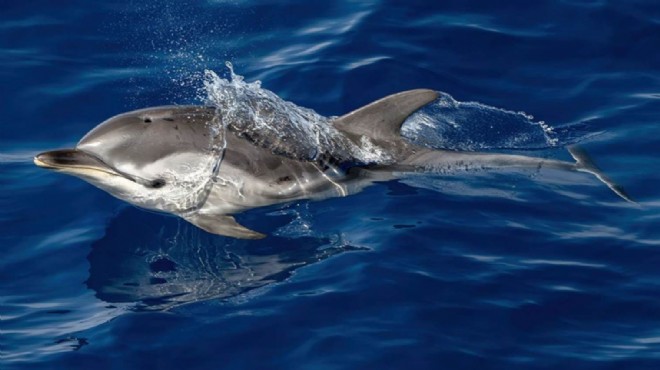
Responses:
[158,158]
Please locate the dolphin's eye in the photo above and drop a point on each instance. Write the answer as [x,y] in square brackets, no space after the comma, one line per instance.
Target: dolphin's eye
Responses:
[156,184]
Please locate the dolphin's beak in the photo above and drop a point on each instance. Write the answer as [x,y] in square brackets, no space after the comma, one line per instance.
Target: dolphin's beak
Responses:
[71,160]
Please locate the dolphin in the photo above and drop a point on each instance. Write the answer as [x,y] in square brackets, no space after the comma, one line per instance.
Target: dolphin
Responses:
[174,159]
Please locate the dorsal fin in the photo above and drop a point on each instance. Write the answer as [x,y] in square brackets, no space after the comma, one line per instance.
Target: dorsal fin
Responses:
[383,118]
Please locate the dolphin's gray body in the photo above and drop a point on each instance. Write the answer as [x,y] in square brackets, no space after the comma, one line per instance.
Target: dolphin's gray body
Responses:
[167,159]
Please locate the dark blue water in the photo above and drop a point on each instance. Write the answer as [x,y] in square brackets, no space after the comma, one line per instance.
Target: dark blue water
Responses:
[486,270]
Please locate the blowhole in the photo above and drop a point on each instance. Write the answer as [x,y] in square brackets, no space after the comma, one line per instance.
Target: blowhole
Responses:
[147,119]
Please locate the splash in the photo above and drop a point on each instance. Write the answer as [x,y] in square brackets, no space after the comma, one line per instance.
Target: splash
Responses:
[470,126]
[264,118]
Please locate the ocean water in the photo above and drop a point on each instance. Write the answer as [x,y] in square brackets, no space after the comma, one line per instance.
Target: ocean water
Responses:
[466,270]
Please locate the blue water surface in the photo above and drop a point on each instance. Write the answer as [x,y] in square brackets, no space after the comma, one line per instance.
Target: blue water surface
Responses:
[476,270]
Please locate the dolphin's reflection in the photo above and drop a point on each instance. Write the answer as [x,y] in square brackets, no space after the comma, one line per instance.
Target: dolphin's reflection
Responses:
[159,262]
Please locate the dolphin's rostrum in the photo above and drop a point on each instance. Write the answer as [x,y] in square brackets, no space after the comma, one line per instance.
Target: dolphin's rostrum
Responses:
[179,160]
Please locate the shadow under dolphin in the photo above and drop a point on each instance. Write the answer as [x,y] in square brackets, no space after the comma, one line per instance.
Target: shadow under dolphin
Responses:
[160,262]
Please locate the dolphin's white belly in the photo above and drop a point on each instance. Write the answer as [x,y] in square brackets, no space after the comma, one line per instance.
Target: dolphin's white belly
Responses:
[236,190]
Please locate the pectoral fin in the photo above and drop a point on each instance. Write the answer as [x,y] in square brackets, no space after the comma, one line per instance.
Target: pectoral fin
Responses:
[222,225]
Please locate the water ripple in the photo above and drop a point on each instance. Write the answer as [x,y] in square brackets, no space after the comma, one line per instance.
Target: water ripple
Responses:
[505,270]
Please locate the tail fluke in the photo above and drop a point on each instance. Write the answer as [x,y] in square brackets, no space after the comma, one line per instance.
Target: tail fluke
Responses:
[586,164]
